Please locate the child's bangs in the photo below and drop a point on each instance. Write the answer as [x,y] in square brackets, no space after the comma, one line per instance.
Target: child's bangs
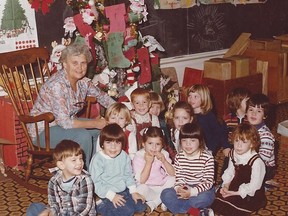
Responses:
[189,135]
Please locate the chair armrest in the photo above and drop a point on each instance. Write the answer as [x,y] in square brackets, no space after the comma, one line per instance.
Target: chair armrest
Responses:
[90,100]
[47,117]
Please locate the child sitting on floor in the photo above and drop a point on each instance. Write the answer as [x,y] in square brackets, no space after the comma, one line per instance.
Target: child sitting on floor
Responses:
[257,111]
[194,172]
[157,107]
[111,172]
[200,100]
[237,103]
[70,190]
[152,167]
[118,113]
[140,100]
[182,113]
[242,190]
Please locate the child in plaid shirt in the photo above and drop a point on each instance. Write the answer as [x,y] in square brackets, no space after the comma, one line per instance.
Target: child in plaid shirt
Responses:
[70,190]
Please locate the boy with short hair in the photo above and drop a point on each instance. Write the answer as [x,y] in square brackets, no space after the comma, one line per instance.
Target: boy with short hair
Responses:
[141,102]
[257,111]
[70,190]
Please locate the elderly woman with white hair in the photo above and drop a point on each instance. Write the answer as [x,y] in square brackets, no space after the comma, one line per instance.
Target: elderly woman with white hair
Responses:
[64,95]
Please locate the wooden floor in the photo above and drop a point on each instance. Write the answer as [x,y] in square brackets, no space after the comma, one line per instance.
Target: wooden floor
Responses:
[16,196]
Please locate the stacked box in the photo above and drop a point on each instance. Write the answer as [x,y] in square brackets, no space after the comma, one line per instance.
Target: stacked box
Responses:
[240,64]
[227,68]
[218,68]
[220,88]
[277,80]
[265,44]
[282,129]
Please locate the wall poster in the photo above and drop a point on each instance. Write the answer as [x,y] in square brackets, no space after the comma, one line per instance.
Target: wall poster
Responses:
[175,4]
[17,26]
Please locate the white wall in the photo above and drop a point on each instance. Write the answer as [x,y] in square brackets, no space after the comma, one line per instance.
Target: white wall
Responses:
[193,61]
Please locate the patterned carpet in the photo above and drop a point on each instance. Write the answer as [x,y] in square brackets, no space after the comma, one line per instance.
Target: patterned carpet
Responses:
[16,196]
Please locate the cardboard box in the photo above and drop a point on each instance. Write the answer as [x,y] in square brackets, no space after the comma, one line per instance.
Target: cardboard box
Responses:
[277,80]
[220,88]
[240,64]
[282,129]
[227,68]
[218,68]
[283,145]
[265,44]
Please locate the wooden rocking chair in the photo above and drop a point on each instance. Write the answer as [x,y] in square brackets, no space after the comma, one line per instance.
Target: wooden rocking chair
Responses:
[22,74]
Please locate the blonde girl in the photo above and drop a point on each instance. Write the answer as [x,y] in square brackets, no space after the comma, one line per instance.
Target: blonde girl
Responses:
[200,100]
[118,113]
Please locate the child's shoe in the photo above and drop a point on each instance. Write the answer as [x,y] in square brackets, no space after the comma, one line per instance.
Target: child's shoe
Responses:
[194,211]
[152,205]
[163,207]
[206,212]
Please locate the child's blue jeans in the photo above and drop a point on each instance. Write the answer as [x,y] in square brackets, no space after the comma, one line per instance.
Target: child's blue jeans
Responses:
[35,209]
[106,208]
[181,206]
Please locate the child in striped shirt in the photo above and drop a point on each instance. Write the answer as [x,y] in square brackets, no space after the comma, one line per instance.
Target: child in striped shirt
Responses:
[257,111]
[194,172]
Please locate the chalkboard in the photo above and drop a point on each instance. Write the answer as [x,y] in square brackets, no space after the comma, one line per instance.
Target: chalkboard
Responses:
[186,31]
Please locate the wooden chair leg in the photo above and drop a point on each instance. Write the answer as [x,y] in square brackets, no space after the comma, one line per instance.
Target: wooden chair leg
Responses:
[28,167]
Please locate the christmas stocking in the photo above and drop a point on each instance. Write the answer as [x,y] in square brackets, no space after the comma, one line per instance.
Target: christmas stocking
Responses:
[115,14]
[114,51]
[144,59]
[86,31]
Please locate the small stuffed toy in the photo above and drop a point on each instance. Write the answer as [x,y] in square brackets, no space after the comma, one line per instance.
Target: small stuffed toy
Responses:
[113,92]
[69,26]
[172,99]
[54,65]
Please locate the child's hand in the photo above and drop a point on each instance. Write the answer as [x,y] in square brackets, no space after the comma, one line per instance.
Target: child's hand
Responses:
[160,157]
[46,212]
[136,196]
[149,158]
[226,151]
[183,192]
[2,169]
[118,200]
[225,192]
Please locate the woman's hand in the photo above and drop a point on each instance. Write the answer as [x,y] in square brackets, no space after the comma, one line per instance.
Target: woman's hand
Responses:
[183,192]
[118,200]
[100,122]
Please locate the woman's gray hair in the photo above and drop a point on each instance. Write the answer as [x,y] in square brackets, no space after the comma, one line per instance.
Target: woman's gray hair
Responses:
[76,49]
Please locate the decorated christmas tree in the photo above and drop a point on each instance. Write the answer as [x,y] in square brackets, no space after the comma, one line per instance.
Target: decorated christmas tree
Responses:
[122,56]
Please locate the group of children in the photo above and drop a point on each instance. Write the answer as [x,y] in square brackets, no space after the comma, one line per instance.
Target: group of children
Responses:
[142,162]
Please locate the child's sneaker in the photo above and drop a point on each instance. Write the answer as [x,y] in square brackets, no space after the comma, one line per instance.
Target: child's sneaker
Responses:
[152,205]
[194,211]
[206,212]
[163,207]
